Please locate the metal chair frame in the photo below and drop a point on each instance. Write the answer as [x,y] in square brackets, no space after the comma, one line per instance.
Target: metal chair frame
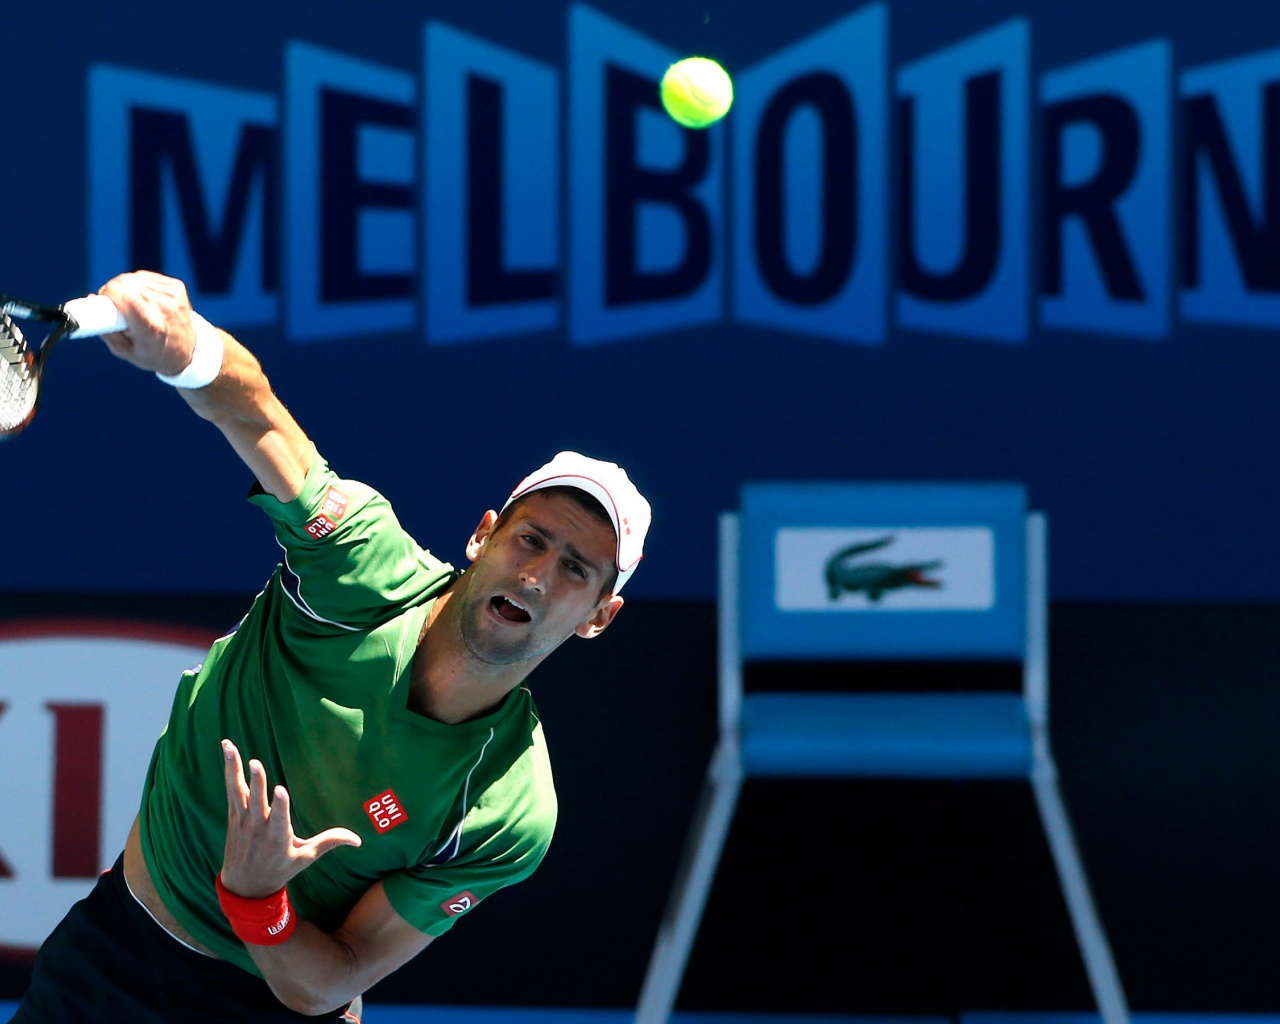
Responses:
[729,767]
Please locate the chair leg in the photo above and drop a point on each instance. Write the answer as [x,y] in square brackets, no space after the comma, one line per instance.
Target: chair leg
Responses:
[1094,948]
[694,875]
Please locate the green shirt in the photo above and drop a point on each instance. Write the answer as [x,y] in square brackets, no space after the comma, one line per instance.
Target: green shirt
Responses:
[314,683]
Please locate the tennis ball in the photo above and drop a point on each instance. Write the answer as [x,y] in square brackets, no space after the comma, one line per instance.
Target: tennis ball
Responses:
[696,92]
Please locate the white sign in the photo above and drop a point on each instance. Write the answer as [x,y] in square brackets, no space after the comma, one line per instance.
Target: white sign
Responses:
[80,711]
[884,569]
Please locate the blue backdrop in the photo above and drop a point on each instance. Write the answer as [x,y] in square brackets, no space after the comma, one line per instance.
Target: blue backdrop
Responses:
[1034,242]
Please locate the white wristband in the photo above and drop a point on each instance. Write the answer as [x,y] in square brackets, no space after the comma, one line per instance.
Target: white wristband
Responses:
[206,360]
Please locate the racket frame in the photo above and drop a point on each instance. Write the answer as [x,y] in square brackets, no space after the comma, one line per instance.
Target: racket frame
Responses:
[98,313]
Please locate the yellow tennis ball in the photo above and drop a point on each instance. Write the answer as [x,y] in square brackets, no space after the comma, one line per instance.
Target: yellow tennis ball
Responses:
[697,92]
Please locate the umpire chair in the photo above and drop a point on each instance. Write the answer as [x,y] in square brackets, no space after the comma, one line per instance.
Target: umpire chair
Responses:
[802,576]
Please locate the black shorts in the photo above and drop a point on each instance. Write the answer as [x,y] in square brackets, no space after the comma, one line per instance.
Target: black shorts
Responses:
[109,961]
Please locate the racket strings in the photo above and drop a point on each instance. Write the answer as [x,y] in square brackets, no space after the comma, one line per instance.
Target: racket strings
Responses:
[18,377]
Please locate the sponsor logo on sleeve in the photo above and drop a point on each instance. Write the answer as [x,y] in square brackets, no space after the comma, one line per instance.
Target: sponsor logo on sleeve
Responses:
[385,812]
[459,904]
[321,526]
[334,504]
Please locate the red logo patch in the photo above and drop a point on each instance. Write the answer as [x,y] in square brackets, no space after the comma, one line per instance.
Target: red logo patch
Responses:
[334,504]
[321,526]
[385,812]
[459,904]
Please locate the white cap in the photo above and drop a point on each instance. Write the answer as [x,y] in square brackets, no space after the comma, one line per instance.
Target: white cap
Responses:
[609,484]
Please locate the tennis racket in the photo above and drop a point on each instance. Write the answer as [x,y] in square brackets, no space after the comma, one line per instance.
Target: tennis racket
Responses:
[22,364]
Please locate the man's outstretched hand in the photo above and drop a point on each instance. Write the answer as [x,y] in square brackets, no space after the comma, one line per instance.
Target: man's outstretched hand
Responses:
[262,852]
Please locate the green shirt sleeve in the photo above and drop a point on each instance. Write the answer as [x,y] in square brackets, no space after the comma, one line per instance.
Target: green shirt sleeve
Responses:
[502,841]
[348,563]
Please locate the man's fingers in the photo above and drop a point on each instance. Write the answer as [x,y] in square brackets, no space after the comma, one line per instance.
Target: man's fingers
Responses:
[158,312]
[277,842]
[317,845]
[330,839]
[119,344]
[282,815]
[233,773]
[258,806]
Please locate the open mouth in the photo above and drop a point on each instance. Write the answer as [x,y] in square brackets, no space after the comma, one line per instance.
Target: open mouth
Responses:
[505,608]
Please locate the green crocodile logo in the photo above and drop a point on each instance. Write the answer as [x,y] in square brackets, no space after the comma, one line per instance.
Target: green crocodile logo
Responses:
[847,575]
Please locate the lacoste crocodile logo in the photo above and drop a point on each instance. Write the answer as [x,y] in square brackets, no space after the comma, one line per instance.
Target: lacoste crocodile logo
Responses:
[846,575]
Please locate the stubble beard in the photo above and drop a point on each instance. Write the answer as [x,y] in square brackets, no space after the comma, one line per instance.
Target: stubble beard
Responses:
[484,647]
[484,642]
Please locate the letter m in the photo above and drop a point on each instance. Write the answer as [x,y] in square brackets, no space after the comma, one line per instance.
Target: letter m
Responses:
[182,180]
[1231,191]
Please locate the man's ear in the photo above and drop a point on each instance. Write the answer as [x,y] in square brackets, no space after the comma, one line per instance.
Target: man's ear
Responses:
[481,535]
[600,618]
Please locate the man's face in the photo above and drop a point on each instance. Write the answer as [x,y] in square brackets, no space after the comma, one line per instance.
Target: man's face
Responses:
[536,580]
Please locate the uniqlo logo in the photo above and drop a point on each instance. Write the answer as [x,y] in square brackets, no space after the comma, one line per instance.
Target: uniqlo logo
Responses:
[385,812]
[459,904]
[334,504]
[321,526]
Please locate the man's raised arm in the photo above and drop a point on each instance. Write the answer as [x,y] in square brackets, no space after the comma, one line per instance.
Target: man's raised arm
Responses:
[165,337]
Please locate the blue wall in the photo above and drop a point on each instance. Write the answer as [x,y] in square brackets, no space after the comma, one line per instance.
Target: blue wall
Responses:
[981,241]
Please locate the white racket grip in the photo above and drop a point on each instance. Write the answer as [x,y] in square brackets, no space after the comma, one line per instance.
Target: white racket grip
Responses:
[94,315]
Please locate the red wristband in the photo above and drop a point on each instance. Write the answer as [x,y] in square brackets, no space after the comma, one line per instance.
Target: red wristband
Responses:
[267,921]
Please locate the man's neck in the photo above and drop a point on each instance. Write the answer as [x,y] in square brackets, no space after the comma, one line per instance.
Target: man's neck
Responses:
[448,684]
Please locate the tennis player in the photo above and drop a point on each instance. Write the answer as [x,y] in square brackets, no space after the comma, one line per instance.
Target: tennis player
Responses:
[358,764]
